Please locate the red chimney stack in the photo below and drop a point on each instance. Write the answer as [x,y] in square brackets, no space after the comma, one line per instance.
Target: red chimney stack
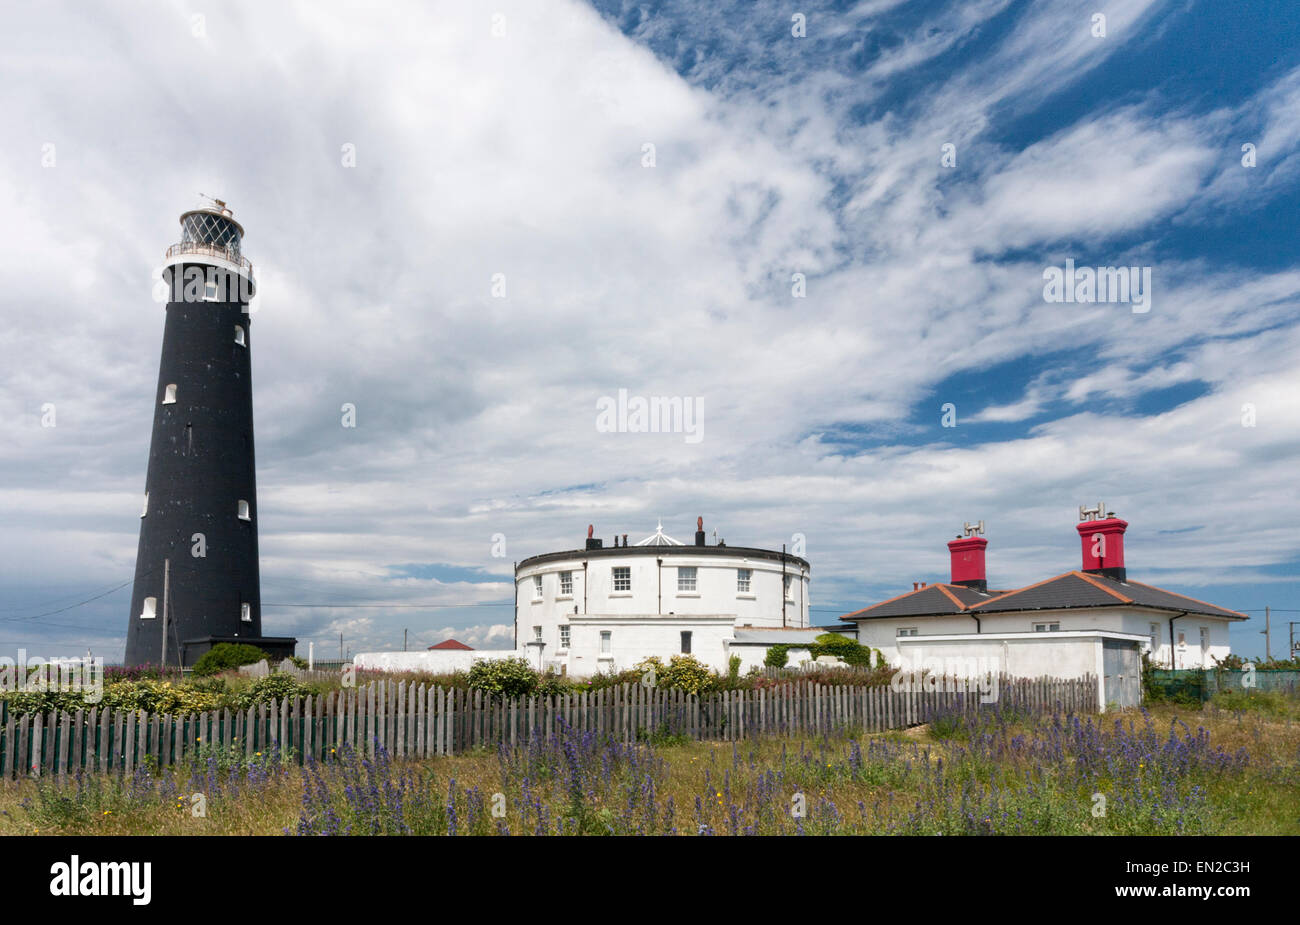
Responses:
[968,557]
[1102,536]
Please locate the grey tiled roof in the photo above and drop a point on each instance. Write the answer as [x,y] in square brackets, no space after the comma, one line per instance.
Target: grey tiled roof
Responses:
[928,601]
[1151,596]
[1064,592]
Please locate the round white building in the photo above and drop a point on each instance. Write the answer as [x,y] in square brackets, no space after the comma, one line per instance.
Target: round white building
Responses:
[605,608]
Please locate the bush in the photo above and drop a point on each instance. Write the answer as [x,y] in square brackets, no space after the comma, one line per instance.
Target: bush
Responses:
[552,685]
[850,651]
[505,677]
[683,672]
[160,697]
[23,702]
[226,655]
[213,685]
[272,688]
[777,656]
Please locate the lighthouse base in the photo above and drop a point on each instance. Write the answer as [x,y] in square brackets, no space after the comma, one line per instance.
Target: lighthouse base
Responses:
[278,647]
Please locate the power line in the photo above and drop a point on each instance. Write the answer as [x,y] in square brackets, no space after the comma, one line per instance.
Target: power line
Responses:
[396,606]
[50,613]
[45,603]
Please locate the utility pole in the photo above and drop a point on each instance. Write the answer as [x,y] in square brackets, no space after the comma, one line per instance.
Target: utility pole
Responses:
[340,647]
[1268,638]
[404,640]
[167,576]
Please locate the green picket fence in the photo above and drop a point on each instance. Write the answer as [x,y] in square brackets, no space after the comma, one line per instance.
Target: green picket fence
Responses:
[407,720]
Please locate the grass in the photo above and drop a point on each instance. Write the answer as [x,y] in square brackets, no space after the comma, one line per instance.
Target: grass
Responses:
[1231,769]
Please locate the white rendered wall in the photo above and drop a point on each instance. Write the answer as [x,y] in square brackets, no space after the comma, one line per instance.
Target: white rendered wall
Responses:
[438,661]
[883,633]
[634,637]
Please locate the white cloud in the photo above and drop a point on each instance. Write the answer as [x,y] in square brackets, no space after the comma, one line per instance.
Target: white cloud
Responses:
[522,156]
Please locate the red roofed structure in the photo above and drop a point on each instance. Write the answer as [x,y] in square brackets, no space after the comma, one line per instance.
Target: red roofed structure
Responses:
[452,644]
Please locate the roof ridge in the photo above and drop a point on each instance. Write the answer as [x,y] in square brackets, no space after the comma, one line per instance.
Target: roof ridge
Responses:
[952,597]
[896,597]
[1019,590]
[1096,584]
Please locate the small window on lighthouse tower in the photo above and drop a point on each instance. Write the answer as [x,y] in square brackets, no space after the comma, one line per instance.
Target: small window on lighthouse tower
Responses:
[243,511]
[239,335]
[145,510]
[210,291]
[169,394]
[246,612]
[150,608]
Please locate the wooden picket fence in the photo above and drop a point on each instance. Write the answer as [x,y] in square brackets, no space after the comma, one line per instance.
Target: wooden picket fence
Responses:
[410,721]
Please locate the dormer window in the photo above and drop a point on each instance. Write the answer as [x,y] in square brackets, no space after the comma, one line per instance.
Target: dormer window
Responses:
[169,394]
[243,511]
[239,336]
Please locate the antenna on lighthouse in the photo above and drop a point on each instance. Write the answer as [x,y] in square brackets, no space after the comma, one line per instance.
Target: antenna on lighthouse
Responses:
[219,204]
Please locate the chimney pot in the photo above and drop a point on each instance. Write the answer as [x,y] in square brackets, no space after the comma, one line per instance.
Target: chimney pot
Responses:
[1103,546]
[967,554]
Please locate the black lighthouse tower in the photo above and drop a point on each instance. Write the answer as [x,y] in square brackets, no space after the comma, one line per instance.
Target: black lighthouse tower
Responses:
[196,571]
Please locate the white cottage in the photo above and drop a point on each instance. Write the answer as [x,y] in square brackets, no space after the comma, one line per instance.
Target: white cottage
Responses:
[1092,620]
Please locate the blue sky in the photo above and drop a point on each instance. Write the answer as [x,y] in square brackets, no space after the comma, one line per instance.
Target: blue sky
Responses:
[517,147]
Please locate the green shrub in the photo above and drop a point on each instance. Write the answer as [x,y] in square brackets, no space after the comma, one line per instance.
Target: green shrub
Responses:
[850,651]
[733,668]
[212,685]
[23,702]
[683,672]
[505,677]
[272,688]
[778,656]
[226,655]
[161,697]
[552,685]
